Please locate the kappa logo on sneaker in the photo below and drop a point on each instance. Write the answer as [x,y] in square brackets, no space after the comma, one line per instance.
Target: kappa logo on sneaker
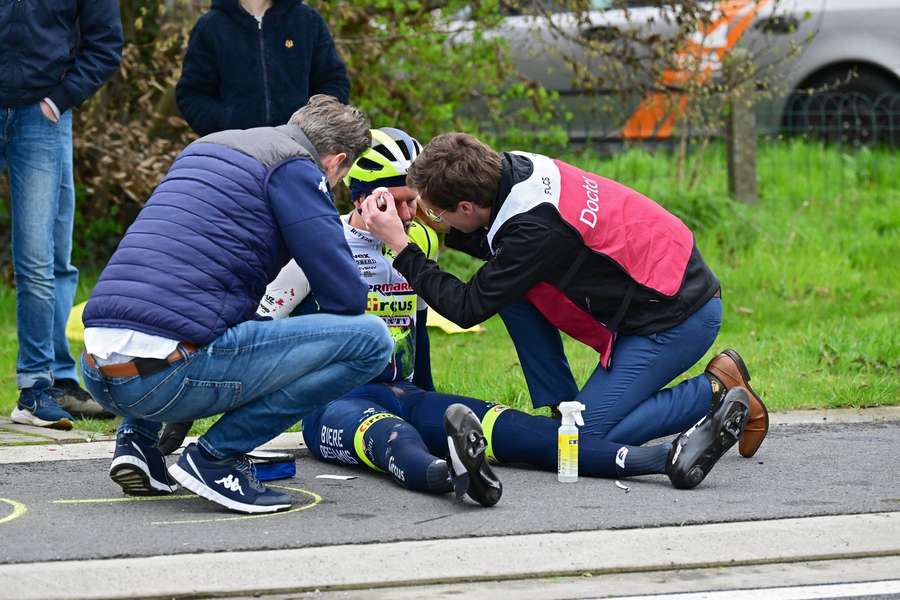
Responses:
[231,483]
[620,457]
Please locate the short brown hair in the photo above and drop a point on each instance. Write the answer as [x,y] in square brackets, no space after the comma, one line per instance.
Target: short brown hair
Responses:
[454,167]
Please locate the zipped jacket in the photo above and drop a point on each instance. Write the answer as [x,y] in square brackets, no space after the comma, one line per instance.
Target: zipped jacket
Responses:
[239,73]
[58,49]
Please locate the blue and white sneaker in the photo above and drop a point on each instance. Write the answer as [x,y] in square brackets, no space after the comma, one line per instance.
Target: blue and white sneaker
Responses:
[139,467]
[38,408]
[231,483]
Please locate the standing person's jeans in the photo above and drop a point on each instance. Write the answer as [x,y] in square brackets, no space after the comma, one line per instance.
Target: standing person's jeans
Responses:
[626,403]
[37,154]
[263,375]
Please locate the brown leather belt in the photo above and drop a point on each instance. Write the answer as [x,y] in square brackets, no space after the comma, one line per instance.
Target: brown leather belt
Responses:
[141,366]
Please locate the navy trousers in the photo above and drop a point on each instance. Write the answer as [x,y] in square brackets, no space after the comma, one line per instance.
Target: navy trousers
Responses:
[378,422]
[626,404]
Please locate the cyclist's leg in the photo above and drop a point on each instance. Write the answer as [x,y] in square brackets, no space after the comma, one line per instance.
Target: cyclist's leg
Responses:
[355,430]
[517,437]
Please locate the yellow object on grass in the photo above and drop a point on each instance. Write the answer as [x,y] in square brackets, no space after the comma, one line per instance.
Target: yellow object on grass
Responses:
[74,326]
[447,326]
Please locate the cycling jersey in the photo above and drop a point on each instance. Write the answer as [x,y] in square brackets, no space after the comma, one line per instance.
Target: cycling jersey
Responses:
[390,296]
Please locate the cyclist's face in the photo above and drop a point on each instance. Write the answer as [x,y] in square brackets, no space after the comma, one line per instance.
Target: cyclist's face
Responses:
[405,201]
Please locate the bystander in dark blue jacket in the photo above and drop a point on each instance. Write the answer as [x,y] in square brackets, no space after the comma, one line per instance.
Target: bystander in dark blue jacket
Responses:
[239,73]
[58,49]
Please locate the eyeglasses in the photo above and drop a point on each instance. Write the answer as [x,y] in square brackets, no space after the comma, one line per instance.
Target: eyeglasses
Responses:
[436,217]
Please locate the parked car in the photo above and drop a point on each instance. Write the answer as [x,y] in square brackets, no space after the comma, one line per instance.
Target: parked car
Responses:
[847,67]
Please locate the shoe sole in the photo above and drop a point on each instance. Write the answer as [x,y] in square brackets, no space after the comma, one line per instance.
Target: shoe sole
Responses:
[730,429]
[467,446]
[189,482]
[746,375]
[129,473]
[26,417]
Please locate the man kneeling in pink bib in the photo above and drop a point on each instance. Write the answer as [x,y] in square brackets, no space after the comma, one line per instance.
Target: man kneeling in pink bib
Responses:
[568,250]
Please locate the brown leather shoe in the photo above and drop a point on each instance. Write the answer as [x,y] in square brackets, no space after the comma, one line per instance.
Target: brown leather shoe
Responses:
[729,368]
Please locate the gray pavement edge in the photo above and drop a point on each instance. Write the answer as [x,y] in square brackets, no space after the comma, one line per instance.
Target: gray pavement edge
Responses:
[59,446]
[458,560]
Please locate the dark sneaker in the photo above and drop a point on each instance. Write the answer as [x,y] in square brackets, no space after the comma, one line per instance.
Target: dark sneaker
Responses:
[76,401]
[38,408]
[231,483]
[139,468]
[469,470]
[173,436]
[696,451]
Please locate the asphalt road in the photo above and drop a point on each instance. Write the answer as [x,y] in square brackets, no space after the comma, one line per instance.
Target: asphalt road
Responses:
[73,511]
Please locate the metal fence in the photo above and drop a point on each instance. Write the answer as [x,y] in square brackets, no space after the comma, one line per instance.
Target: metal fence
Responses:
[826,145]
[848,119]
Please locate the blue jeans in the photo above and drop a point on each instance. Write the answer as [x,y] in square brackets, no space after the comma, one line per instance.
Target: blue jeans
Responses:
[262,376]
[626,403]
[38,155]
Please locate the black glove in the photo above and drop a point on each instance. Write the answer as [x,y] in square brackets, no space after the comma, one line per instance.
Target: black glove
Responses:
[173,436]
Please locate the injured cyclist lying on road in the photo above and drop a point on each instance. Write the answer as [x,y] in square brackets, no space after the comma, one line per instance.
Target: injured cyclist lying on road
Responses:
[433,442]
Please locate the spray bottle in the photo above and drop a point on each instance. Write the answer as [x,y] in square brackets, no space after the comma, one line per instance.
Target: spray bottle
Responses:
[567,441]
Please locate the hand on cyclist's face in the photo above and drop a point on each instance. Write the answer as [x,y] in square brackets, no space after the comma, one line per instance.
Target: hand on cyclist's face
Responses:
[404,201]
[384,219]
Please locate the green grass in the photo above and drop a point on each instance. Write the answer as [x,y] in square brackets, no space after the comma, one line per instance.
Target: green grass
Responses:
[9,347]
[810,276]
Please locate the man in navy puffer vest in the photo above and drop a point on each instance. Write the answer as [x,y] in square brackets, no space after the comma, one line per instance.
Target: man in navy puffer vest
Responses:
[171,332]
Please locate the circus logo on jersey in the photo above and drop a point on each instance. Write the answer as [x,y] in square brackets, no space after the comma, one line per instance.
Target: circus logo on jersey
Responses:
[392,306]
